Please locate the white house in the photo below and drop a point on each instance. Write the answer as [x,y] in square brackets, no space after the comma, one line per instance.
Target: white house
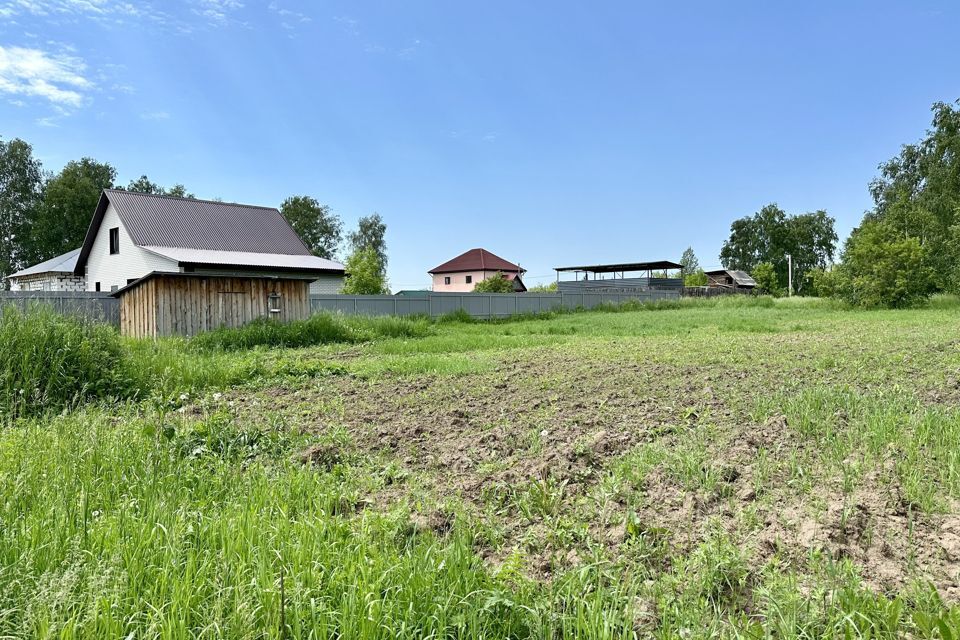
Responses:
[55,274]
[136,235]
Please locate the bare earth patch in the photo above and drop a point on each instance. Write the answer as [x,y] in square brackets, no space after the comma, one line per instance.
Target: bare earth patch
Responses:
[549,428]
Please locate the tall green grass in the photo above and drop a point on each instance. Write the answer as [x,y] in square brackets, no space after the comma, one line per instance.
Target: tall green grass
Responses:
[212,530]
[322,328]
[50,361]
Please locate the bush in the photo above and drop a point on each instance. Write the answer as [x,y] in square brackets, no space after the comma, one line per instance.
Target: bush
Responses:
[766,276]
[544,288]
[497,283]
[50,361]
[696,279]
[825,284]
[882,268]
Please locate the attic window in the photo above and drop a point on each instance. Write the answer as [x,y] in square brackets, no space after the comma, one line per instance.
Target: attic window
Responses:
[114,240]
[469,279]
[446,280]
[273,303]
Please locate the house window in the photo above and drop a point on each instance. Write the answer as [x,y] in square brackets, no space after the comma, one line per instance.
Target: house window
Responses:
[273,303]
[115,240]
[96,286]
[446,280]
[469,279]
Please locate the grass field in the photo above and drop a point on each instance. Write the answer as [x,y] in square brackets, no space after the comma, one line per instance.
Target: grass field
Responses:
[751,469]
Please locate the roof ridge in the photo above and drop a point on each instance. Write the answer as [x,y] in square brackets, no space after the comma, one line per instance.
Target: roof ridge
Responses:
[169,197]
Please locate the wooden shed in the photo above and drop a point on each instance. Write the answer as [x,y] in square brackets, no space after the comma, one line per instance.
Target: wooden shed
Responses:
[184,304]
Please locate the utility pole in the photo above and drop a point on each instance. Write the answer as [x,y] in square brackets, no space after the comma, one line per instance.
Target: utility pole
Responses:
[789,275]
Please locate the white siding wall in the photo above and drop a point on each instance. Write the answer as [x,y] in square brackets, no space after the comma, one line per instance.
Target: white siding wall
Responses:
[130,263]
[326,284]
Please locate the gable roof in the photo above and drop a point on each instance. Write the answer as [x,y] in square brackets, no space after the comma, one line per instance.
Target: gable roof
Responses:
[61,264]
[187,223]
[477,260]
[742,278]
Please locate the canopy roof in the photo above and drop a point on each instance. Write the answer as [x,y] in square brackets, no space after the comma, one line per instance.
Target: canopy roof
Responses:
[624,266]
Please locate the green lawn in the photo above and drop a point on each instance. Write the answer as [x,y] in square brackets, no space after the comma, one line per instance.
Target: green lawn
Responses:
[726,469]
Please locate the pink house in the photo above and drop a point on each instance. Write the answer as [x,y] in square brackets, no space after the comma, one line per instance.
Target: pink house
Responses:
[464,272]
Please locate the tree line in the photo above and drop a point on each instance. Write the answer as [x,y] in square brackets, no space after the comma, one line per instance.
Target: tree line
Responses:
[45,214]
[906,248]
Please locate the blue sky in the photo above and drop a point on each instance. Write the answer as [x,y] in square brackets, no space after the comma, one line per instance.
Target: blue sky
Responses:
[550,133]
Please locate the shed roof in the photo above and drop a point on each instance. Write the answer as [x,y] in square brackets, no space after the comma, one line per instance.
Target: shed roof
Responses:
[187,223]
[742,278]
[61,264]
[180,275]
[624,266]
[477,260]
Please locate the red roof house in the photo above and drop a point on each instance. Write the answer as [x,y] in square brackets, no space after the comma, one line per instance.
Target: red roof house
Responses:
[462,273]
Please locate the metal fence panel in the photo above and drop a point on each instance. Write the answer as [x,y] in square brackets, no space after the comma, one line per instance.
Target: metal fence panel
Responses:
[478,305]
[98,307]
[102,307]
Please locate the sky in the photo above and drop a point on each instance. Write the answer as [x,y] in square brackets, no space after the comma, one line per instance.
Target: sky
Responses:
[550,133]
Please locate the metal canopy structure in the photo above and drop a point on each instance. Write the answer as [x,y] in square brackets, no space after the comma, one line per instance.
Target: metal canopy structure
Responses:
[622,267]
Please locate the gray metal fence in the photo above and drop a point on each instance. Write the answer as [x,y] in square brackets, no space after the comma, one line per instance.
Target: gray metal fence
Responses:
[104,308]
[478,305]
[100,307]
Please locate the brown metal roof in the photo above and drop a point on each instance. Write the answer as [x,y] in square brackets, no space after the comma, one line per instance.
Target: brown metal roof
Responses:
[477,260]
[188,223]
[165,221]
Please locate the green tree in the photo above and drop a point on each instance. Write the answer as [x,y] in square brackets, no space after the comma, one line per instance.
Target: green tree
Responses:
[179,191]
[494,284]
[882,267]
[917,194]
[69,200]
[371,234]
[365,274]
[21,184]
[319,227]
[770,235]
[143,184]
[689,261]
[767,280]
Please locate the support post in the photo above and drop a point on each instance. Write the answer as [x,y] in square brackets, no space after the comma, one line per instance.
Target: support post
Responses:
[789,275]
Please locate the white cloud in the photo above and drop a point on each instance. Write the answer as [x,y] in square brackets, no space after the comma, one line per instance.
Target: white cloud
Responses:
[348,24]
[217,11]
[288,15]
[155,115]
[68,8]
[56,78]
